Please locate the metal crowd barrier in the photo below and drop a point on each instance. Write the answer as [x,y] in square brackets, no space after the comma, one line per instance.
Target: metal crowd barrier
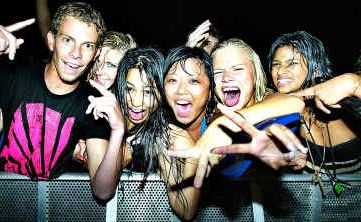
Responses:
[287,198]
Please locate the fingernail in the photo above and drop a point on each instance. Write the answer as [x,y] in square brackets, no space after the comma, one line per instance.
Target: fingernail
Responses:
[197,184]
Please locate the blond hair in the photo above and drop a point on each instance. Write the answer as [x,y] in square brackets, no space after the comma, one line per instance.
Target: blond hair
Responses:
[260,82]
[116,41]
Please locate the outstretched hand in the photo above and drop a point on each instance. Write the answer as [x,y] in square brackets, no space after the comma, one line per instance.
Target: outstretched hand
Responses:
[263,144]
[105,106]
[8,42]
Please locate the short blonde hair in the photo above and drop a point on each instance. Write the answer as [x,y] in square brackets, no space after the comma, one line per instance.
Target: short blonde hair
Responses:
[113,40]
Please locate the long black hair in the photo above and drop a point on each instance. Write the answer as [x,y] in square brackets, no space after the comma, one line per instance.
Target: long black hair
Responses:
[149,137]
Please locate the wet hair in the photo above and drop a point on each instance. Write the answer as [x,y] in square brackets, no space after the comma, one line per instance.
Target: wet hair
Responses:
[151,135]
[312,51]
[180,55]
[259,75]
[151,138]
[115,41]
[81,11]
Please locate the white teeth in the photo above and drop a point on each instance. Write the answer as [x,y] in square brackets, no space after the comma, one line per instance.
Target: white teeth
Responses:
[182,102]
[137,110]
[73,66]
[283,81]
[230,89]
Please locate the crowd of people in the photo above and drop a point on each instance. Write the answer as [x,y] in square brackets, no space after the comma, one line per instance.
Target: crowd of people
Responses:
[115,107]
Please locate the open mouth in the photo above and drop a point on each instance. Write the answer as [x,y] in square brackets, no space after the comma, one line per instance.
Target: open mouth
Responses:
[283,81]
[136,114]
[231,96]
[183,108]
[72,67]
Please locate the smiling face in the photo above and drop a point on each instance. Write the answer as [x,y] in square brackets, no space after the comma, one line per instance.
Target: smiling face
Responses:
[234,78]
[107,65]
[74,47]
[140,98]
[187,92]
[289,70]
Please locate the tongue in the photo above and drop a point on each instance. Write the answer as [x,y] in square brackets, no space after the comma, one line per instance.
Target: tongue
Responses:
[231,98]
[183,110]
[136,115]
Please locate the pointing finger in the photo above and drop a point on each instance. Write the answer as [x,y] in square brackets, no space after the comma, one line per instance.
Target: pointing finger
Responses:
[20,25]
[304,93]
[234,148]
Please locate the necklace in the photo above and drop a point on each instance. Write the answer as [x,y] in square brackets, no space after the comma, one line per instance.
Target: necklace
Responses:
[338,185]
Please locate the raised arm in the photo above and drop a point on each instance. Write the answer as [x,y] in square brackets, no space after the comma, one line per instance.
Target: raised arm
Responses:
[105,157]
[199,34]
[43,17]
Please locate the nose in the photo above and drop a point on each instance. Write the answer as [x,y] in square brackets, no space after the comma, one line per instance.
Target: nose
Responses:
[182,88]
[137,99]
[227,76]
[281,69]
[76,52]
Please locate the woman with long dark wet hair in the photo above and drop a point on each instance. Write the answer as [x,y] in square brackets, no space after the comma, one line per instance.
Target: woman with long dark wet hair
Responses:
[297,61]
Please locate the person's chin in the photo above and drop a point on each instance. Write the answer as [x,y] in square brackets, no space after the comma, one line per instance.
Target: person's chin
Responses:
[183,119]
[70,79]
[285,90]
[137,121]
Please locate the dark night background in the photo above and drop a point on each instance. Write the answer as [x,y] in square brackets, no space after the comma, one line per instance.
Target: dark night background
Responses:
[165,24]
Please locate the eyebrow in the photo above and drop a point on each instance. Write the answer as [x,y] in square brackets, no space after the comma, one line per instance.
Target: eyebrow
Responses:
[145,86]
[241,64]
[129,83]
[288,60]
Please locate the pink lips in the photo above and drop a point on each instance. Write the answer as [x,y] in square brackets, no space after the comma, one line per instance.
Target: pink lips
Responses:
[72,68]
[282,82]
[136,115]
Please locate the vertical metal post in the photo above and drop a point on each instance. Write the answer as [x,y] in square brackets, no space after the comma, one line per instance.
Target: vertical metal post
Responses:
[42,200]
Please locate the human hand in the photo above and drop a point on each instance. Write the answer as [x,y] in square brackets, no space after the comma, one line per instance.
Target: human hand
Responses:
[184,148]
[80,154]
[180,138]
[329,93]
[105,106]
[199,34]
[8,42]
[263,144]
